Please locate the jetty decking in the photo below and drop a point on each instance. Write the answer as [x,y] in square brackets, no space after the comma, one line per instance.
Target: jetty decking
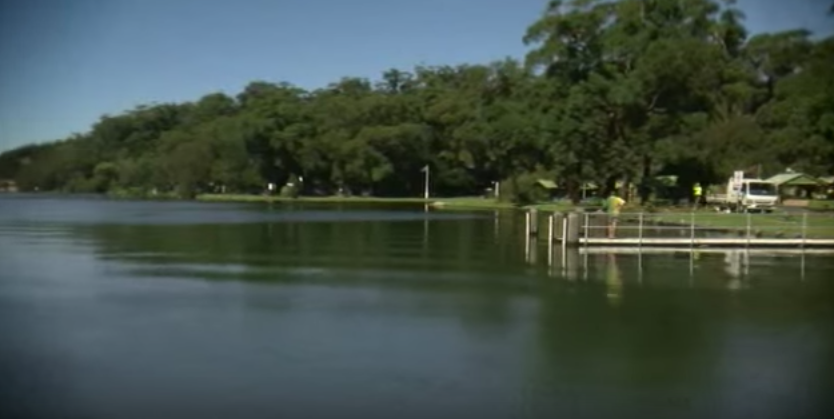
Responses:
[649,250]
[707,242]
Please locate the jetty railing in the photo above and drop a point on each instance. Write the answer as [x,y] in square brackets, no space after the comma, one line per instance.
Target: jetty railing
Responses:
[680,229]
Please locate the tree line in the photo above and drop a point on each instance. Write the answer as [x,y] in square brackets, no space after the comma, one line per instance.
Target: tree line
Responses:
[610,92]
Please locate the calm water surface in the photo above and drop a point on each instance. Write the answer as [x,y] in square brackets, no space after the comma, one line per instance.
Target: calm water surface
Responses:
[189,310]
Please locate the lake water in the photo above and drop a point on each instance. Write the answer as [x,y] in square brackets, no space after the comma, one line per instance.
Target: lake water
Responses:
[191,310]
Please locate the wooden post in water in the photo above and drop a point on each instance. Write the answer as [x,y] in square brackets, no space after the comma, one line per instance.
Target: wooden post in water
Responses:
[557,233]
[571,233]
[551,224]
[531,221]
[534,223]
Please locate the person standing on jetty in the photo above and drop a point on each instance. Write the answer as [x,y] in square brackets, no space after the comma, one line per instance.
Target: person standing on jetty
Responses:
[697,193]
[613,205]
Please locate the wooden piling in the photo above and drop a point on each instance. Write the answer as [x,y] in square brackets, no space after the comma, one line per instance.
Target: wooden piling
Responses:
[551,224]
[532,222]
[572,227]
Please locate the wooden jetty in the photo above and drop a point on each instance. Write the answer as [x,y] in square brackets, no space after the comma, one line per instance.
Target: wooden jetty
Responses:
[583,230]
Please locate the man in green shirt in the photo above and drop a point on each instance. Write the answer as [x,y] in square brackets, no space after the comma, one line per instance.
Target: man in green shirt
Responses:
[613,205]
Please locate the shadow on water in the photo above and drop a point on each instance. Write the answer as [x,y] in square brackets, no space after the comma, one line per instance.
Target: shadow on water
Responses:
[404,312]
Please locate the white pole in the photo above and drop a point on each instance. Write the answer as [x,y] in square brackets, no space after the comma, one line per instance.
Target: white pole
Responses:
[426,189]
[550,232]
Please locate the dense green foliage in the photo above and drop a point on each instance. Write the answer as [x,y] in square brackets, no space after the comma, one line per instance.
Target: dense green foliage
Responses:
[609,91]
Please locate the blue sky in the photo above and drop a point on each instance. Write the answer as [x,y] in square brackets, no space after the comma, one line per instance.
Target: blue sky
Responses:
[64,63]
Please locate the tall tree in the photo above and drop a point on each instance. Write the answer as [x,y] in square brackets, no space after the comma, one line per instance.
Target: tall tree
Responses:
[610,92]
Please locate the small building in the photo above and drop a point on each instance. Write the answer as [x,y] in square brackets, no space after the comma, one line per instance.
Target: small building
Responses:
[548,187]
[588,191]
[795,185]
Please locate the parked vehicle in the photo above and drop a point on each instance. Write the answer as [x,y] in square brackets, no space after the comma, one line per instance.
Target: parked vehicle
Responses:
[745,195]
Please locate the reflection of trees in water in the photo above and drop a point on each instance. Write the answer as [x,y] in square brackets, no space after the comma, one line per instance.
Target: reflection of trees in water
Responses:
[653,341]
[613,281]
[664,340]
[736,263]
[663,344]
[443,244]
[455,269]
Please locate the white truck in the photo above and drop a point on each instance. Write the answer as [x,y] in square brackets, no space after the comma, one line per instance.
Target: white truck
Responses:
[745,195]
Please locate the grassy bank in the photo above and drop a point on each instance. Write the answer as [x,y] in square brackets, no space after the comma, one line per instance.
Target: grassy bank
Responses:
[440,203]
[322,199]
[128,194]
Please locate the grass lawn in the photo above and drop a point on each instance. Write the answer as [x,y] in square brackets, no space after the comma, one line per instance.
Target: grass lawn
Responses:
[819,204]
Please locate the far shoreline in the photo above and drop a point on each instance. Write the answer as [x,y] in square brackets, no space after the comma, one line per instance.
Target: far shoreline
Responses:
[450,203]
[785,223]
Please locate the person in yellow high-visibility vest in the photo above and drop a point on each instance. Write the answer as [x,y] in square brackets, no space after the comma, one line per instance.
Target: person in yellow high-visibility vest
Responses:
[697,192]
[613,205]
